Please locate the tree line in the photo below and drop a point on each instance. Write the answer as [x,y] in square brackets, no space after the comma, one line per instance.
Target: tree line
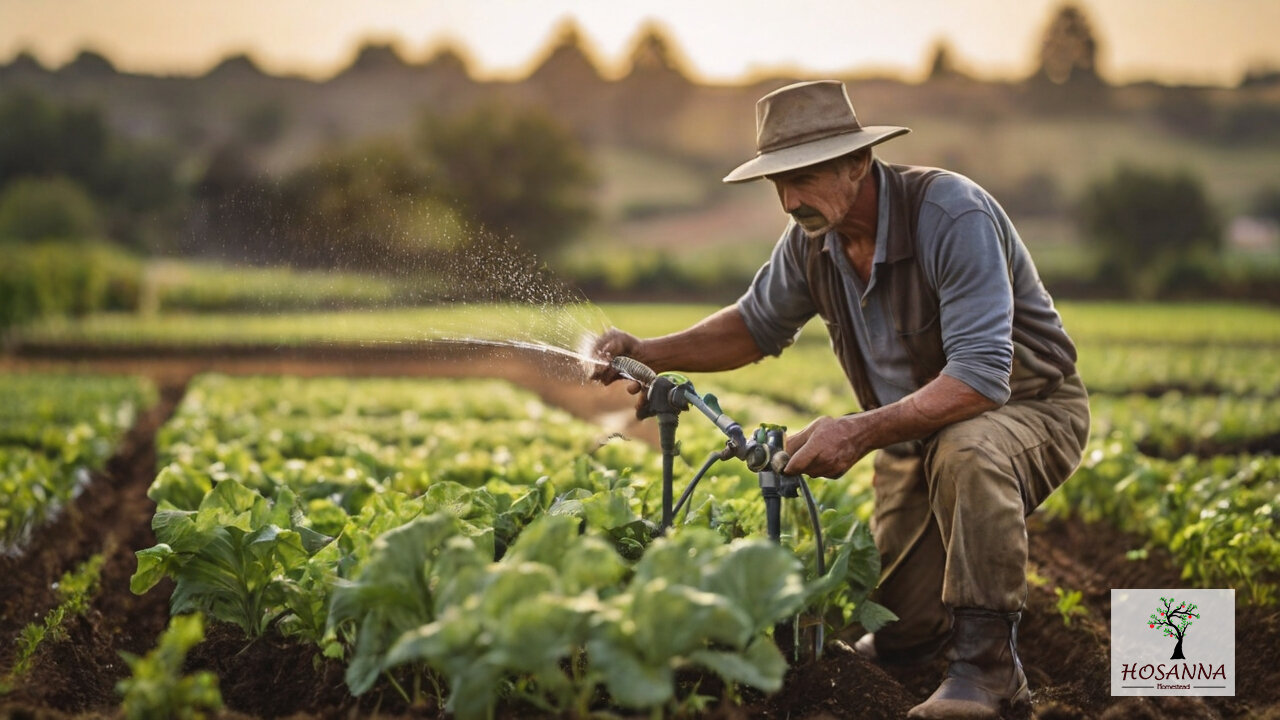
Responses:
[492,173]
[372,206]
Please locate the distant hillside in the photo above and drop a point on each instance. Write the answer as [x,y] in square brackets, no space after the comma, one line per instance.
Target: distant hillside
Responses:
[653,105]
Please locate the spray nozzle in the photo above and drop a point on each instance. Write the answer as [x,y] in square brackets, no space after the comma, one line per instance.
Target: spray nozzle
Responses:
[634,370]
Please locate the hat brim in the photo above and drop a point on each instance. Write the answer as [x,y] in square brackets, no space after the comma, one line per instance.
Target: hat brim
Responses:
[812,153]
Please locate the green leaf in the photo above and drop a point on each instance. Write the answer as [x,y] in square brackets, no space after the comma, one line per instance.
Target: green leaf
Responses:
[538,632]
[761,666]
[856,568]
[608,510]
[590,564]
[569,503]
[673,620]
[230,504]
[631,681]
[177,528]
[179,486]
[443,643]
[679,558]
[392,592]
[872,615]
[458,572]
[761,579]
[545,540]
[864,560]
[474,693]
[510,584]
[153,565]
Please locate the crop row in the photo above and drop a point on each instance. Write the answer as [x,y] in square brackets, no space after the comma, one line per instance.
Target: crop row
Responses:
[806,382]
[808,378]
[1124,367]
[1174,424]
[54,430]
[1189,326]
[464,534]
[1218,517]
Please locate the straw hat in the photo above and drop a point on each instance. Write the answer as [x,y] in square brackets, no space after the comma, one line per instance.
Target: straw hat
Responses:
[805,124]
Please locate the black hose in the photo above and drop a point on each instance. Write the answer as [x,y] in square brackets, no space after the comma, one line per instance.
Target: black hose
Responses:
[821,553]
[688,491]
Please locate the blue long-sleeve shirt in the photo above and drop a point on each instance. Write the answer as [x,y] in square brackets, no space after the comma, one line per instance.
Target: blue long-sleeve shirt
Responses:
[970,255]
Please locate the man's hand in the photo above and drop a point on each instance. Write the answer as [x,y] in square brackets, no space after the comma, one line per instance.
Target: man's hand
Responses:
[827,447]
[611,344]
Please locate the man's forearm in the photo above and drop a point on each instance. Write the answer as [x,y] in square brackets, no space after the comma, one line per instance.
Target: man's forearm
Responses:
[942,402]
[830,446]
[719,342]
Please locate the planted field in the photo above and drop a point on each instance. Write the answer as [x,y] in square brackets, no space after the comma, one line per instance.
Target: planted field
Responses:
[54,431]
[411,546]
[430,534]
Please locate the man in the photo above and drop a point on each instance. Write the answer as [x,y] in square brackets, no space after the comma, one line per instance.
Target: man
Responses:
[960,362]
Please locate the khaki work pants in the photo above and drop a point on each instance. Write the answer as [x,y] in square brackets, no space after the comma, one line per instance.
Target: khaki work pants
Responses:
[951,510]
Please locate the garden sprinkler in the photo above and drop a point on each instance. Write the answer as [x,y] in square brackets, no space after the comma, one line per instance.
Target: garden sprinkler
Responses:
[669,394]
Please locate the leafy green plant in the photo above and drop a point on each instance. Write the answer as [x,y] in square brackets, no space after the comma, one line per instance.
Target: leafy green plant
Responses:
[1069,604]
[554,619]
[395,590]
[695,602]
[1217,517]
[482,544]
[75,591]
[841,597]
[54,430]
[518,623]
[157,689]
[233,557]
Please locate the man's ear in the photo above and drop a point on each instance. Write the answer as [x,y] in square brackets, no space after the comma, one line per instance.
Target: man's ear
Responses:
[859,165]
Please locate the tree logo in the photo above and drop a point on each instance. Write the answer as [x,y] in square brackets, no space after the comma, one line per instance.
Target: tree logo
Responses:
[1202,664]
[1173,621]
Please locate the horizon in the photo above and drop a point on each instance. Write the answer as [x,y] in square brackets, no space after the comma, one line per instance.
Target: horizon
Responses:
[1138,40]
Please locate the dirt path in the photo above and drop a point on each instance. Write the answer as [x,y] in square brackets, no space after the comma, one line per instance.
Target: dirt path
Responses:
[1066,663]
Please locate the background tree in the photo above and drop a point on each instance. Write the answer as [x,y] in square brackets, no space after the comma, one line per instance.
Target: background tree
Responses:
[658,74]
[233,204]
[943,65]
[1069,51]
[372,207]
[1149,228]
[133,184]
[1266,204]
[514,172]
[34,209]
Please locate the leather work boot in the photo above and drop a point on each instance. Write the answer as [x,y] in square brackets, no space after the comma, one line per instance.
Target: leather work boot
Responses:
[984,673]
[919,654]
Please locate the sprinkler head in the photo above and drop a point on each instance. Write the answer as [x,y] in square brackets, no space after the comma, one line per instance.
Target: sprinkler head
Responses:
[634,370]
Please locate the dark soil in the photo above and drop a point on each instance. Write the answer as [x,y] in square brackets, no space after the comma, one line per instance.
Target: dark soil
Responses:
[1265,445]
[112,517]
[1067,664]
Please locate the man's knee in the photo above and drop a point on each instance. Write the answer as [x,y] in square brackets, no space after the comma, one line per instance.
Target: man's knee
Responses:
[964,463]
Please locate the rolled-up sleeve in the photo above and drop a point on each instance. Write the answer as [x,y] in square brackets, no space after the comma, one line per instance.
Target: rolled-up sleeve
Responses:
[975,295]
[777,305]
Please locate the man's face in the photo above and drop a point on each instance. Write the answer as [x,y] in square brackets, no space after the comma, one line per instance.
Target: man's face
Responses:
[819,196]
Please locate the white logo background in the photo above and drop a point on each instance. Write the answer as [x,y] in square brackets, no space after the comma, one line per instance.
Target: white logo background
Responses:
[1209,641]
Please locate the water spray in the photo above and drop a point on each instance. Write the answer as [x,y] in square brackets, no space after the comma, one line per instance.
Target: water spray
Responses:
[669,394]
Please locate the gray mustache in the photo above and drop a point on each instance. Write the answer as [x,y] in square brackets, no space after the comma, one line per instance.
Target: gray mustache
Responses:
[804,212]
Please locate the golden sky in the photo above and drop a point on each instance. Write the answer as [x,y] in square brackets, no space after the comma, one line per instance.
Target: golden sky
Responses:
[1197,41]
